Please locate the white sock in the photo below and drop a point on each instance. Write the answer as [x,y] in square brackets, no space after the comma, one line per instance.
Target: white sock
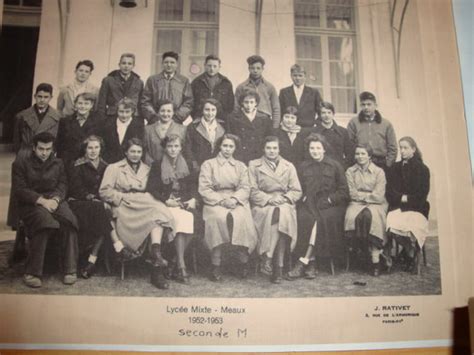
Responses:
[118,246]
[304,261]
[92,259]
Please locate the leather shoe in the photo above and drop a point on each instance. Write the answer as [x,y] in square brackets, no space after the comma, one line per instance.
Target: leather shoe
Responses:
[88,270]
[215,274]
[32,281]
[297,271]
[244,270]
[182,276]
[277,277]
[158,279]
[69,279]
[266,266]
[310,272]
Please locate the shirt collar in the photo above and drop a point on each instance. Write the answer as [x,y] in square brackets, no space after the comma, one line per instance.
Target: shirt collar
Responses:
[209,126]
[370,168]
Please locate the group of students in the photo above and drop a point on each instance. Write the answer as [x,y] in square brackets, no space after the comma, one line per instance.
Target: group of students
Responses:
[179,160]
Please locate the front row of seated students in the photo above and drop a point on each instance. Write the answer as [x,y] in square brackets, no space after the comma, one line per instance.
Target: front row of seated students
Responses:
[269,207]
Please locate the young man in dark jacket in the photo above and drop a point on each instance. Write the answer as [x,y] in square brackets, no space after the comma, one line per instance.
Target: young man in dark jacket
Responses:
[212,84]
[119,84]
[39,184]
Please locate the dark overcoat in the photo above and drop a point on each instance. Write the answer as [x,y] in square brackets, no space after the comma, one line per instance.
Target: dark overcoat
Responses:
[27,125]
[71,135]
[113,151]
[84,200]
[198,146]
[32,179]
[293,152]
[222,92]
[251,134]
[114,88]
[340,147]
[308,108]
[411,179]
[325,197]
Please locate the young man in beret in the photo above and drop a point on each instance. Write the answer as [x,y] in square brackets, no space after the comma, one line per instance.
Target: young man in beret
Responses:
[269,102]
[369,127]
[168,85]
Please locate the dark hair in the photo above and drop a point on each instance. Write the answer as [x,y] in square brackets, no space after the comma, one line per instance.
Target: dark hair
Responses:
[43,137]
[255,59]
[367,147]
[44,87]
[316,137]
[170,54]
[91,138]
[87,96]
[248,92]
[171,138]
[366,95]
[132,141]
[412,144]
[329,106]
[127,103]
[269,139]
[87,63]
[230,136]
[212,57]
[215,103]
[164,102]
[291,110]
[127,55]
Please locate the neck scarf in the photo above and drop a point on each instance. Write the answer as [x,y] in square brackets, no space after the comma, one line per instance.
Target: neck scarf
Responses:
[272,164]
[292,132]
[172,171]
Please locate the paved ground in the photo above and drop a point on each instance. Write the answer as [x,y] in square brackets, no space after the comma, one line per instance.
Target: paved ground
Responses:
[137,283]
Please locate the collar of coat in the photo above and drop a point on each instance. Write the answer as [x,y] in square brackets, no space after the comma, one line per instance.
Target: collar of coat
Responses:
[261,165]
[377,118]
[178,77]
[140,175]
[51,118]
[38,163]
[203,76]
[83,160]
[116,74]
[249,81]
[221,160]
[203,131]
[371,168]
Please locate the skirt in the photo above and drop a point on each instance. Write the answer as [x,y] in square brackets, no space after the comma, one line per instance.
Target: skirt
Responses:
[404,223]
[138,216]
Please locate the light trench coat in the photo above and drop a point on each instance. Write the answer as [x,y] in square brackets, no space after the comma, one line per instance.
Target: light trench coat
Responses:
[266,183]
[367,190]
[220,179]
[136,212]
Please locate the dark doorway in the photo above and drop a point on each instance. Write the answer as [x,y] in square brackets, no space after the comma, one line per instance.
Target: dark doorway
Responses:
[18,47]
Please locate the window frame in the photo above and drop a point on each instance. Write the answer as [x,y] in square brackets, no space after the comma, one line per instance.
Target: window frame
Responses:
[186,26]
[324,32]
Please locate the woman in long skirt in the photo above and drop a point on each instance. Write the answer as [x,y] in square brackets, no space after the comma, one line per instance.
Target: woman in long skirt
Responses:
[408,185]
[275,189]
[224,188]
[137,214]
[94,220]
[365,219]
[174,183]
